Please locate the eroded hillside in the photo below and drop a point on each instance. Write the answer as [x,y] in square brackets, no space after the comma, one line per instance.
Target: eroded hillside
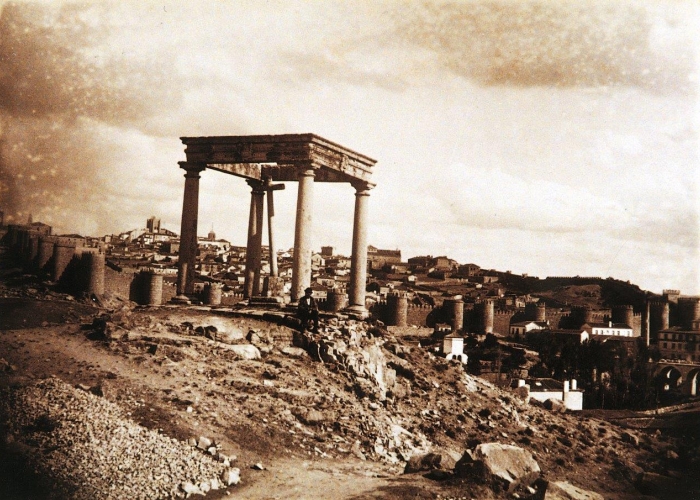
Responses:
[338,413]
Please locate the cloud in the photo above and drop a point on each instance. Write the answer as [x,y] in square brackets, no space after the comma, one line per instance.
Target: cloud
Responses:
[571,43]
[55,62]
[462,198]
[550,122]
[60,79]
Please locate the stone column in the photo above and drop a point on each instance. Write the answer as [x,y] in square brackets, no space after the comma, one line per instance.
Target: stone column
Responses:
[301,277]
[269,189]
[188,230]
[253,257]
[273,285]
[647,325]
[358,266]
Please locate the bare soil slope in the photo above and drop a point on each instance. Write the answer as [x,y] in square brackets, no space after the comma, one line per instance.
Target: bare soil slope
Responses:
[302,427]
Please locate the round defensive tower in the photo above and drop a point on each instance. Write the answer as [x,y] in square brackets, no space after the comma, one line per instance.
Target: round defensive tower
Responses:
[13,236]
[63,253]
[153,288]
[46,244]
[95,270]
[397,309]
[454,310]
[541,312]
[213,292]
[33,250]
[623,314]
[337,299]
[488,305]
[588,316]
[688,311]
[22,244]
[659,312]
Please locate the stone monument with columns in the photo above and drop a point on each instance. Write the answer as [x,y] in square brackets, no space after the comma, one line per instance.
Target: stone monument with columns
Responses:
[262,160]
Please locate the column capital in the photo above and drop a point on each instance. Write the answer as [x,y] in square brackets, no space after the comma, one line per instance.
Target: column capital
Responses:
[192,169]
[362,188]
[256,186]
[306,168]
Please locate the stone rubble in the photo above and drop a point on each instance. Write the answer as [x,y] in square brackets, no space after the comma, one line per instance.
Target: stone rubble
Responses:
[89,449]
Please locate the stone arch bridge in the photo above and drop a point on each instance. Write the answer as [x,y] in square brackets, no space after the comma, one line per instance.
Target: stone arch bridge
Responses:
[677,374]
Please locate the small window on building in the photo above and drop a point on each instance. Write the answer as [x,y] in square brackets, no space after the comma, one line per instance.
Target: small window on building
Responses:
[664,345]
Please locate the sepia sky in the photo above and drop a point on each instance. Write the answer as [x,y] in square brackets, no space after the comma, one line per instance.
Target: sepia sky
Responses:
[541,137]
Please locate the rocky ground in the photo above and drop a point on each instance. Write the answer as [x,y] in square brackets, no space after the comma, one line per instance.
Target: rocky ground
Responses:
[109,400]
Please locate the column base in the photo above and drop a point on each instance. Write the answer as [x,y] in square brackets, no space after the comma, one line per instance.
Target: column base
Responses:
[357,312]
[273,286]
[181,299]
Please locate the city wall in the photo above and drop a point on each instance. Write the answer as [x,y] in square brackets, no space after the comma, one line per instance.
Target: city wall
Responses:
[416,315]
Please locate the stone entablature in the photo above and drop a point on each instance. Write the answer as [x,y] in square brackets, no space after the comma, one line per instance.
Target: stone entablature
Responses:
[277,156]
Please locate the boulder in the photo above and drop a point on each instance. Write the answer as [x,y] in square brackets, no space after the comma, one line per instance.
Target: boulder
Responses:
[245,351]
[356,450]
[204,442]
[561,490]
[310,416]
[230,335]
[555,405]
[659,485]
[295,352]
[231,476]
[190,489]
[259,337]
[506,466]
[105,388]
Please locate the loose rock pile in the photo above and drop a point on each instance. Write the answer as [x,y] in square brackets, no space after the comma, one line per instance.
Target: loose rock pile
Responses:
[357,350]
[89,449]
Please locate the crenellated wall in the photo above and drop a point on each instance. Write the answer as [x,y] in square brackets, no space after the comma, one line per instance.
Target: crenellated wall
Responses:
[415,314]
